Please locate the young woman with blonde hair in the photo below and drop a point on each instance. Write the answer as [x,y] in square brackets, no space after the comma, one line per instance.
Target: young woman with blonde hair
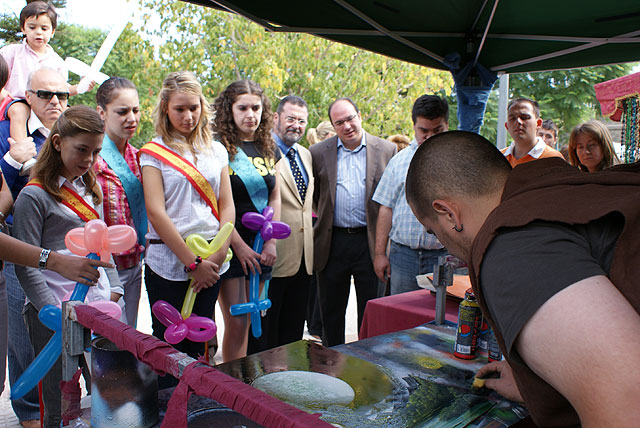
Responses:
[187,190]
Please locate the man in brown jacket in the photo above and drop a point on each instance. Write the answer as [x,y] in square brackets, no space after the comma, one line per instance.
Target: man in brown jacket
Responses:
[347,168]
[553,259]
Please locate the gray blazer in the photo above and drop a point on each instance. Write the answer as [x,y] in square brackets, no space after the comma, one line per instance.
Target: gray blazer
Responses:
[325,171]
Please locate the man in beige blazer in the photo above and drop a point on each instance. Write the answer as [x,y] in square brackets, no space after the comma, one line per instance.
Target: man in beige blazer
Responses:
[347,168]
[289,288]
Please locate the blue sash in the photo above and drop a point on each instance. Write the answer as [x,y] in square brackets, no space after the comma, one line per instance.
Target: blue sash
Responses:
[251,178]
[132,186]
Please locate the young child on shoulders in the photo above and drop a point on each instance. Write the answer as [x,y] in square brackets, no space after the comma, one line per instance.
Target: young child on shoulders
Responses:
[38,21]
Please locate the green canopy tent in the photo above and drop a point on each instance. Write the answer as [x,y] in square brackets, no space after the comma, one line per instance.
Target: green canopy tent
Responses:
[474,39]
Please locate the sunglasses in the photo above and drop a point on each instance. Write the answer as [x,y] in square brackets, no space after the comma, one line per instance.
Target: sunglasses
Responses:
[47,95]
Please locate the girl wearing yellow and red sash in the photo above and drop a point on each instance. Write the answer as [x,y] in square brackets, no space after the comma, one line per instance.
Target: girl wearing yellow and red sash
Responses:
[185,178]
[62,195]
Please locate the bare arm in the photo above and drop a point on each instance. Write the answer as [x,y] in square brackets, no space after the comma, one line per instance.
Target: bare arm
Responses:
[584,342]
[6,199]
[227,212]
[383,227]
[78,269]
[268,256]
[206,273]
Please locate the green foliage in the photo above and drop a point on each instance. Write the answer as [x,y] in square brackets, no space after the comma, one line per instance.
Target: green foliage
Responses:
[220,47]
[565,96]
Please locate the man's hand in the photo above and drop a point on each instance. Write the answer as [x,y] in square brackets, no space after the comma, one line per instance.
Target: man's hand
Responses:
[23,150]
[382,267]
[505,384]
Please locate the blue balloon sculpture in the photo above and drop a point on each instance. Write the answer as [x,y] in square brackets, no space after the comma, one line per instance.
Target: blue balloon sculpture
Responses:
[267,230]
[51,317]
[98,240]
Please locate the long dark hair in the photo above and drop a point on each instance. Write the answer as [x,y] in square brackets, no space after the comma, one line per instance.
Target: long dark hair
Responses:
[224,127]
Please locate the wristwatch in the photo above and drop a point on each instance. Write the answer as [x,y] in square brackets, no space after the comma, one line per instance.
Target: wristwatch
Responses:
[44,258]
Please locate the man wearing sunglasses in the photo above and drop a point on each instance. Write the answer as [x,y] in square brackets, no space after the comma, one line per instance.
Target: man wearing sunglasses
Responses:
[46,94]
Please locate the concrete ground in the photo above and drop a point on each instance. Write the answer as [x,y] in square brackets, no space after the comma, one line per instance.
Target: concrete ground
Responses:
[9,420]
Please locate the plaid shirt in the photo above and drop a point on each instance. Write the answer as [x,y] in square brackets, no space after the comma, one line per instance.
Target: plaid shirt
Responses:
[115,204]
[405,227]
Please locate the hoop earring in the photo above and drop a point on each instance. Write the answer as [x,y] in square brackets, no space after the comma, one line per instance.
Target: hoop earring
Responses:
[458,229]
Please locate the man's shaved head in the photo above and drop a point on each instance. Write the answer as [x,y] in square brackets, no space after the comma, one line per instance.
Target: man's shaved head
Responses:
[454,163]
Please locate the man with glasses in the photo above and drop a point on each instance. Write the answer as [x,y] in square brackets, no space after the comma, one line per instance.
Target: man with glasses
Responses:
[47,96]
[347,168]
[289,288]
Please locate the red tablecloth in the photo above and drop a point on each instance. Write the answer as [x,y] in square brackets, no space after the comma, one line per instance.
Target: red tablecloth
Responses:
[403,311]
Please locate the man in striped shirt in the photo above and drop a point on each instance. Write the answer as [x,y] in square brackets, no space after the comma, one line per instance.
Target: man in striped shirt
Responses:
[413,251]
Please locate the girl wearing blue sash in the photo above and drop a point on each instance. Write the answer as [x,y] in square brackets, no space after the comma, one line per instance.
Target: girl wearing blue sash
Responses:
[176,208]
[243,123]
[118,173]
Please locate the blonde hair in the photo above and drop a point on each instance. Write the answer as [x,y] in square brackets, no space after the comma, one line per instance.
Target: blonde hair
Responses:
[74,121]
[200,138]
[321,132]
[601,134]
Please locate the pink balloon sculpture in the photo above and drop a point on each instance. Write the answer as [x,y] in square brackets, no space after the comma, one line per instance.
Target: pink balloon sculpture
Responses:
[195,328]
[96,237]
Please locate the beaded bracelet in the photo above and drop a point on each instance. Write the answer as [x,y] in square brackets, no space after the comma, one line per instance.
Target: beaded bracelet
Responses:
[193,266]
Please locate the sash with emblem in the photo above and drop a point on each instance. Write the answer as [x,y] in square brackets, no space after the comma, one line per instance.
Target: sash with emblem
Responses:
[186,168]
[73,201]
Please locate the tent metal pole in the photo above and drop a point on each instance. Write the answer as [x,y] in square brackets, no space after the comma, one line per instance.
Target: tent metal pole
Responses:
[502,67]
[391,34]
[503,100]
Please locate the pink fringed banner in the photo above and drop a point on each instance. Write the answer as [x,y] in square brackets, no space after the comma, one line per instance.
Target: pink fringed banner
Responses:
[203,380]
[611,93]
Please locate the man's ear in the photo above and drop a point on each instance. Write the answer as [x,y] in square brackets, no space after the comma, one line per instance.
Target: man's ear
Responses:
[448,210]
[539,123]
[505,126]
[275,117]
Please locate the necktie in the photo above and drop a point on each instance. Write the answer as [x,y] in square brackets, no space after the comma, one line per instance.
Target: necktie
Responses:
[297,175]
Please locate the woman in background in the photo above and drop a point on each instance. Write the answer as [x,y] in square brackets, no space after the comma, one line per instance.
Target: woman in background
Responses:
[119,176]
[591,147]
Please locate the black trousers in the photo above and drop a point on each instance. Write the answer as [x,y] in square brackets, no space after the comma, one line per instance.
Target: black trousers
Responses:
[288,295]
[173,292]
[348,256]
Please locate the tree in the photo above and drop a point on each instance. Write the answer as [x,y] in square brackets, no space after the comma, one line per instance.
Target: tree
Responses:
[220,47]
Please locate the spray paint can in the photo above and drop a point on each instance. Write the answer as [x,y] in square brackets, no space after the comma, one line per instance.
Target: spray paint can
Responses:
[469,321]
[483,338]
[494,352]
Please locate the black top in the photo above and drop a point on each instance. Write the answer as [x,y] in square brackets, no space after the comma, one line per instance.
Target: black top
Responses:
[242,201]
[525,266]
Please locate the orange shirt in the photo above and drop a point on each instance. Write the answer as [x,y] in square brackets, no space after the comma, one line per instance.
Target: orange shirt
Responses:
[539,151]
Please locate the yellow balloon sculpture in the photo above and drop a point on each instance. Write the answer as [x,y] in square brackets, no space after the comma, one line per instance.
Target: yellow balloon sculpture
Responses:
[204,249]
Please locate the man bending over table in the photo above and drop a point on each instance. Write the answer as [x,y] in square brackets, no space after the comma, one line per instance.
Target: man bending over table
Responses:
[554,262]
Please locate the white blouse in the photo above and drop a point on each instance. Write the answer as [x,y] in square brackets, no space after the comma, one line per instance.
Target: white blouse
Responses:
[184,206]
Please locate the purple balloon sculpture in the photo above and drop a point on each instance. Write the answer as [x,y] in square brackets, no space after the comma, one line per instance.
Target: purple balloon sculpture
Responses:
[267,230]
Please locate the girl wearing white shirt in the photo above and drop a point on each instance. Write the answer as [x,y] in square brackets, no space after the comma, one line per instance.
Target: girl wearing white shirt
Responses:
[176,209]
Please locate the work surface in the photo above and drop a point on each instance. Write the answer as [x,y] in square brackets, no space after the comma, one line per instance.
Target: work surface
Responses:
[403,379]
